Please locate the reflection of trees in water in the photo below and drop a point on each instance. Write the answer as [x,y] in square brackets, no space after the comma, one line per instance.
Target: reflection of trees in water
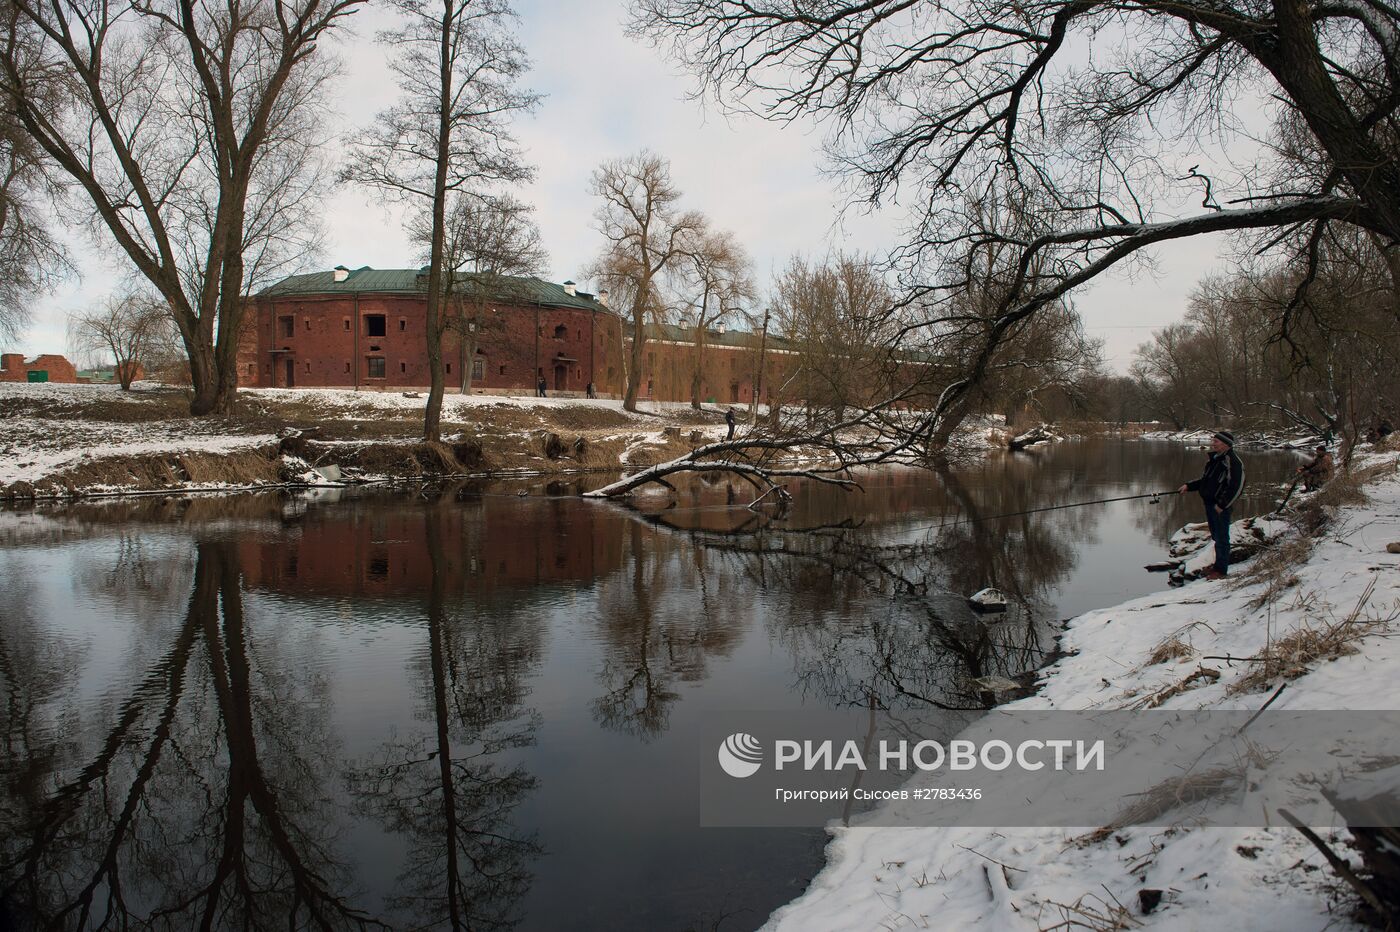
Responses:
[135,575]
[445,792]
[872,620]
[205,803]
[36,681]
[657,636]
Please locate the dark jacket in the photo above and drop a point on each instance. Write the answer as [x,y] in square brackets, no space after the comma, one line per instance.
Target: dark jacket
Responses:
[1222,480]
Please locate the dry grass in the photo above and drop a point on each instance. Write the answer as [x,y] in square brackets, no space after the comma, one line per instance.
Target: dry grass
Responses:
[1316,513]
[1092,912]
[404,459]
[1199,677]
[1171,647]
[1290,656]
[166,470]
[1275,568]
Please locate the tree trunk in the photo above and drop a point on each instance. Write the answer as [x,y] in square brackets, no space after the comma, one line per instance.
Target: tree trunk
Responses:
[1297,64]
[432,412]
[634,371]
[696,375]
[464,374]
[203,378]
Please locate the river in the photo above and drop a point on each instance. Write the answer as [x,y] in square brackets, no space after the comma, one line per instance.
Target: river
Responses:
[475,705]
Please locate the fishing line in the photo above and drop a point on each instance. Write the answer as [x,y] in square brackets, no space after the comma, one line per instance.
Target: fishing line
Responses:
[1155,496]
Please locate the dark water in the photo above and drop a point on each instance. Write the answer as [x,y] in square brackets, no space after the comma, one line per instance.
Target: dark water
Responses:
[458,707]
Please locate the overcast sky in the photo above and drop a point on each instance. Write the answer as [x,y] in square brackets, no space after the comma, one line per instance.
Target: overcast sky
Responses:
[608,96]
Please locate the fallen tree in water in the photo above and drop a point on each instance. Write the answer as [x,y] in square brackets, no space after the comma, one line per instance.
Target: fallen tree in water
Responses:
[772,452]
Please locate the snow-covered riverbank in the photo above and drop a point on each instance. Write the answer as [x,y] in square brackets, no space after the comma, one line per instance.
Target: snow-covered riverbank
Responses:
[1154,648]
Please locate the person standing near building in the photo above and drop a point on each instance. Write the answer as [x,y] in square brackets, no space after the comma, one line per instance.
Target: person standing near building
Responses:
[1220,484]
[539,388]
[729,420]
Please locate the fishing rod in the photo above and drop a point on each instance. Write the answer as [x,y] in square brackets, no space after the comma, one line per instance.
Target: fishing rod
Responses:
[1156,497]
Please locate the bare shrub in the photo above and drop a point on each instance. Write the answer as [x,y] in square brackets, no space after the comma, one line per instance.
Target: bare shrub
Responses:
[1291,656]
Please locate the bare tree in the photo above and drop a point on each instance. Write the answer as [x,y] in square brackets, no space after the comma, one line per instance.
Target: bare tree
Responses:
[122,328]
[838,315]
[647,235]
[490,243]
[448,136]
[191,132]
[31,259]
[969,97]
[719,268]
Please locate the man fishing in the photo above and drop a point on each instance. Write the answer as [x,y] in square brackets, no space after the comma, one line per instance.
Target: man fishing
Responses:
[1220,484]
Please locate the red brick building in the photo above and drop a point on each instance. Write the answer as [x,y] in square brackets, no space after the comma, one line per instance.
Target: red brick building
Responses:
[48,367]
[365,329]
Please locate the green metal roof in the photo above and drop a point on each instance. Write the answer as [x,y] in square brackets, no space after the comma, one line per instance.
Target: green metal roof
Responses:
[730,337]
[365,280]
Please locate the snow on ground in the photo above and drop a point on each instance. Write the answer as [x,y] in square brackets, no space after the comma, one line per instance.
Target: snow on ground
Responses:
[32,448]
[1214,878]
[345,398]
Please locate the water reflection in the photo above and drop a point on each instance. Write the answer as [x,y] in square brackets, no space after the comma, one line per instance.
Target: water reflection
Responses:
[445,791]
[196,808]
[461,708]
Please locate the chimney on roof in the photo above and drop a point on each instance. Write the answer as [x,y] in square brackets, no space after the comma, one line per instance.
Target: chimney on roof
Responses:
[570,289]
[721,328]
[603,297]
[341,273]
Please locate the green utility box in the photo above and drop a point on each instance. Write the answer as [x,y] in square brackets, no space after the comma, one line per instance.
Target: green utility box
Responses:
[38,375]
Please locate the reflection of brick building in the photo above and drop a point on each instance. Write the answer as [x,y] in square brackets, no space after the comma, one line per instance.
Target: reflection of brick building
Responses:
[365,329]
[376,549]
[48,367]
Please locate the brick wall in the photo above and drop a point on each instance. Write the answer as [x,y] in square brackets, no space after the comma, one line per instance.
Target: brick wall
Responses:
[379,342]
[13,368]
[326,342]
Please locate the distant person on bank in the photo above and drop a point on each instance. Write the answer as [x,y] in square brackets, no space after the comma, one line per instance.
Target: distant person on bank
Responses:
[539,388]
[729,421]
[1220,484]
[1316,473]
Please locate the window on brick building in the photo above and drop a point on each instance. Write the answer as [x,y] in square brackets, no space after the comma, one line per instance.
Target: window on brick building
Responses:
[478,369]
[375,368]
[286,326]
[346,322]
[503,370]
[307,322]
[347,367]
[403,367]
[250,368]
[561,332]
[449,368]
[374,325]
[308,365]
[403,324]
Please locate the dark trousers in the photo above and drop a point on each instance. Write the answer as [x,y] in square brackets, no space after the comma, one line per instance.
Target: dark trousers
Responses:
[1219,522]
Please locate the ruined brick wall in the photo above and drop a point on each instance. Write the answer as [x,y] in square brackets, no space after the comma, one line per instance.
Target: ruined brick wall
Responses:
[14,368]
